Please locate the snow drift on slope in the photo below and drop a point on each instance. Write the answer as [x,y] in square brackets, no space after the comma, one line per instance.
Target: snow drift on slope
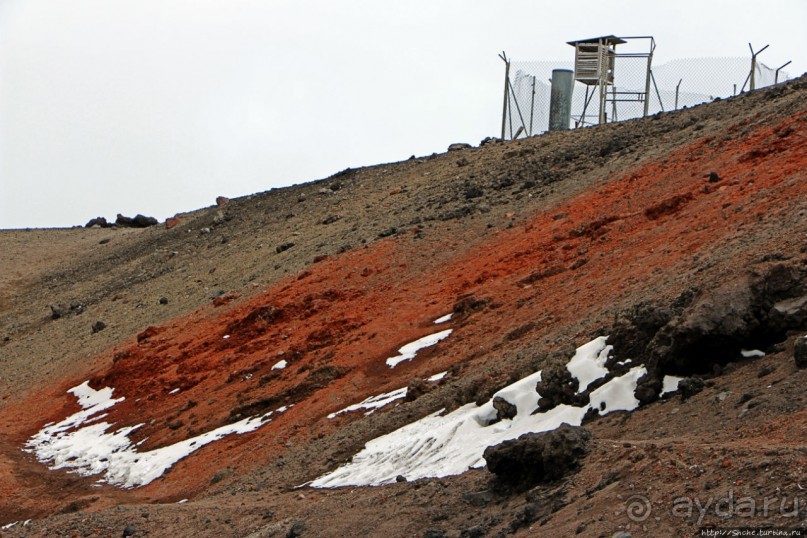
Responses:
[408,352]
[85,446]
[442,445]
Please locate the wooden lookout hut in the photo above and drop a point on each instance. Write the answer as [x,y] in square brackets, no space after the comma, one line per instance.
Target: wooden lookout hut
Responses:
[594,66]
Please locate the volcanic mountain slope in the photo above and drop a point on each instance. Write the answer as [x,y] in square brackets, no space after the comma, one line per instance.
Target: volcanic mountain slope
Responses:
[682,237]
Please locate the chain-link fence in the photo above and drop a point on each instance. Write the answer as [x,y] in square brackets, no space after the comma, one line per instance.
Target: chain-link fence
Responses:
[673,85]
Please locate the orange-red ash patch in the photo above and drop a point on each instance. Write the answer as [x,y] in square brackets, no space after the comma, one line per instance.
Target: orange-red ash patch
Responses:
[336,323]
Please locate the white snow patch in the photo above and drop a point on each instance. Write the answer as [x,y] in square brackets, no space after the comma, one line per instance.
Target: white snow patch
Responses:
[408,352]
[751,353]
[617,394]
[82,444]
[669,384]
[226,336]
[373,402]
[443,319]
[442,445]
[88,397]
[436,377]
[588,363]
[279,365]
[377,402]
[522,394]
[6,527]
[183,501]
[173,391]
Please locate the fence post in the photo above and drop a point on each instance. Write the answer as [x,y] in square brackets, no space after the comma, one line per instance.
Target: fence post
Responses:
[677,86]
[752,74]
[776,78]
[532,105]
[647,76]
[503,56]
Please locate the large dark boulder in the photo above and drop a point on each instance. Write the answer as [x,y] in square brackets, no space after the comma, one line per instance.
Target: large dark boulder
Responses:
[750,312]
[142,221]
[139,221]
[557,386]
[504,409]
[122,220]
[458,146]
[538,457]
[97,221]
[714,326]
[690,386]
[635,329]
[648,387]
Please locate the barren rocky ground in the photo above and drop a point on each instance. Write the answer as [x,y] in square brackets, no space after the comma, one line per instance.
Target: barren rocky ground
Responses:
[683,237]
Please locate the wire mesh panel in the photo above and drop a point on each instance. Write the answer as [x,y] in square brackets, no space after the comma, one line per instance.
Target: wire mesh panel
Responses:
[625,98]
[675,84]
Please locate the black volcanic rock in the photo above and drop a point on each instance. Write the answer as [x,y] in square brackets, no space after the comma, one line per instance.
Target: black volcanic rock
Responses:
[538,457]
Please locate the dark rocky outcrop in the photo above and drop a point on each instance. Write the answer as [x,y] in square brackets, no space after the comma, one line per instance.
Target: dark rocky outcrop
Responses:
[457,146]
[142,221]
[538,457]
[648,387]
[504,409]
[557,386]
[139,221]
[690,386]
[98,221]
[751,312]
[705,330]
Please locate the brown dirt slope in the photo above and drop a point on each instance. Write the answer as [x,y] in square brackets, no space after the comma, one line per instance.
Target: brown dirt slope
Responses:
[537,245]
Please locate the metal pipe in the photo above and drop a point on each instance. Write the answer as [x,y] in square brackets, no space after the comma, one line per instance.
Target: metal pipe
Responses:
[520,116]
[658,94]
[586,100]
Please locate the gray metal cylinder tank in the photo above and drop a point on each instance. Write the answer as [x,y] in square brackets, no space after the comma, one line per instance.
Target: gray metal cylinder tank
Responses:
[560,100]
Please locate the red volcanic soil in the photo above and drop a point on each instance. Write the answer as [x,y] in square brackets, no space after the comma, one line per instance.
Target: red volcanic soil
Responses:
[555,275]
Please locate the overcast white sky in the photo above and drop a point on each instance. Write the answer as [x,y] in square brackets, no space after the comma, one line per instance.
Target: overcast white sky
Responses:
[158,106]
